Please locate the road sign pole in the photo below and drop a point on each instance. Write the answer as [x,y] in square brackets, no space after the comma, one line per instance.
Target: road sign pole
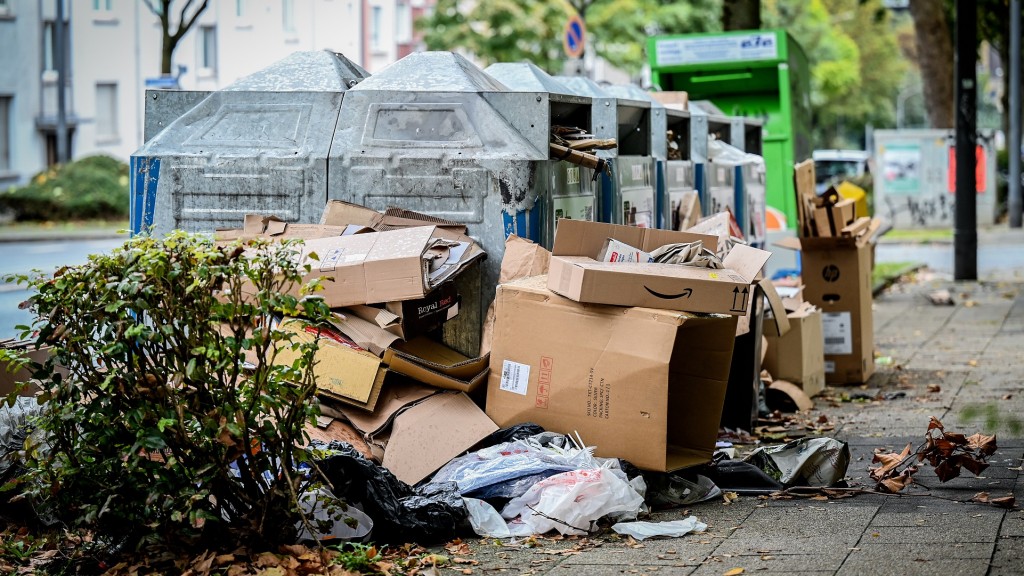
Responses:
[965,236]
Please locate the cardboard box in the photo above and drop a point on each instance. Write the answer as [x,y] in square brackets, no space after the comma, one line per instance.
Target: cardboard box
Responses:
[383,266]
[575,274]
[830,220]
[837,279]
[340,213]
[410,318]
[9,379]
[624,379]
[435,364]
[677,100]
[797,355]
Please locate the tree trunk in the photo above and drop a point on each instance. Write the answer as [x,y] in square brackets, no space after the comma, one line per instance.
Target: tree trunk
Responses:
[741,14]
[935,58]
[167,55]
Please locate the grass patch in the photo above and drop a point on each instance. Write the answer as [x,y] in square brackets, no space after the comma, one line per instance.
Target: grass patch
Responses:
[886,271]
[919,235]
[71,226]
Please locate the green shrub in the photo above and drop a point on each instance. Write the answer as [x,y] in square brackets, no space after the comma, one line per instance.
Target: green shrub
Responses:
[95,187]
[159,433]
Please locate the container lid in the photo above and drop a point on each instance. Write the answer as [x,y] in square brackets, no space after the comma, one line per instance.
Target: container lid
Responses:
[310,71]
[432,72]
[526,77]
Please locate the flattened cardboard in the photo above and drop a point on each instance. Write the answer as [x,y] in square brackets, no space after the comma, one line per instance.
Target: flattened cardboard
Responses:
[688,211]
[435,364]
[678,100]
[273,228]
[797,356]
[429,434]
[366,335]
[522,259]
[624,378]
[343,371]
[9,380]
[654,285]
[342,432]
[398,394]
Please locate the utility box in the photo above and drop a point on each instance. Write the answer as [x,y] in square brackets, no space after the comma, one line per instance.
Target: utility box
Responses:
[258,146]
[565,190]
[915,178]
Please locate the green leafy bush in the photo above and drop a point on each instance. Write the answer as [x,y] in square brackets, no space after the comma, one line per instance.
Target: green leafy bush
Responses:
[95,187]
[159,433]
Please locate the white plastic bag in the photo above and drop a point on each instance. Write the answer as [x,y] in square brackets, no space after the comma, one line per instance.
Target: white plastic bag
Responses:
[673,529]
[571,502]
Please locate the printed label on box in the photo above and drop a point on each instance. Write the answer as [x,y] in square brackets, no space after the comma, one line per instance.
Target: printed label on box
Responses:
[515,377]
[838,332]
[830,367]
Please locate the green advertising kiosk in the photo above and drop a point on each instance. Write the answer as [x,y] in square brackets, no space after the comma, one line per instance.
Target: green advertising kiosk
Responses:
[757,73]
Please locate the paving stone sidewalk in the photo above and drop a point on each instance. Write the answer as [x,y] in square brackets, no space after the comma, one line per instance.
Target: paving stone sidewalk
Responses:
[950,362]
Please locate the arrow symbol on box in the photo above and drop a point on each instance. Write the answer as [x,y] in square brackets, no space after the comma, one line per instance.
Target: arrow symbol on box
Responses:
[739,299]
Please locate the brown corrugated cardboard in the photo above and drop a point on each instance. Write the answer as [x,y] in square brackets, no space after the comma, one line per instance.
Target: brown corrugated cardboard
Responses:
[435,364]
[273,228]
[797,356]
[399,393]
[410,318]
[9,380]
[837,279]
[367,335]
[678,100]
[340,213]
[624,378]
[343,370]
[429,434]
[575,274]
[382,266]
[688,211]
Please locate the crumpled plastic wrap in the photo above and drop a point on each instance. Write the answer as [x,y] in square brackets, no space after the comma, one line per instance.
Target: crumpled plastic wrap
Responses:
[671,529]
[687,254]
[804,462]
[15,426]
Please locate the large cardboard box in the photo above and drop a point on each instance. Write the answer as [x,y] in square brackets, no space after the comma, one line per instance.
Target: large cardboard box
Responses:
[797,355]
[643,384]
[576,274]
[836,273]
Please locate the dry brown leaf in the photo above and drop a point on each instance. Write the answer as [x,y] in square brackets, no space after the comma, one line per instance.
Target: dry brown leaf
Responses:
[1004,502]
[934,423]
[983,443]
[890,461]
[934,388]
[266,560]
[980,497]
[734,572]
[972,362]
[469,561]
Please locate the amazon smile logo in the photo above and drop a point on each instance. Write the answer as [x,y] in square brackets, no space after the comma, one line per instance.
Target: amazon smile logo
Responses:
[684,294]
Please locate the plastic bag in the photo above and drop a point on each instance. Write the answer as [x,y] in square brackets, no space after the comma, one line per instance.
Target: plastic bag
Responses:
[673,529]
[494,471]
[14,428]
[399,512]
[571,502]
[804,462]
[347,522]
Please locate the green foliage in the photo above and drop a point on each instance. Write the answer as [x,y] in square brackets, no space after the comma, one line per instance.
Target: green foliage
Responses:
[516,30]
[620,28]
[499,30]
[356,557]
[856,64]
[992,418]
[158,432]
[95,187]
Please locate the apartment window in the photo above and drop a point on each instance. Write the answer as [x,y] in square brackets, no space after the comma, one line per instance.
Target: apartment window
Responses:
[106,110]
[288,15]
[375,25]
[49,47]
[208,50]
[104,5]
[403,23]
[5,133]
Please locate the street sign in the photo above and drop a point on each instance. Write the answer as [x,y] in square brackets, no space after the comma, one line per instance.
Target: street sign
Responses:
[574,37]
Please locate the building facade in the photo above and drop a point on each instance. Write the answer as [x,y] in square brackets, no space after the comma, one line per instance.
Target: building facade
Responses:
[114,47]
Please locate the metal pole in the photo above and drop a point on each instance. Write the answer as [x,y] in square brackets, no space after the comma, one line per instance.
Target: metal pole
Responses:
[1015,203]
[965,236]
[60,50]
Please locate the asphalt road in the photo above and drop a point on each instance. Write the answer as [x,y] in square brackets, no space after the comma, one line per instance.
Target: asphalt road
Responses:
[23,257]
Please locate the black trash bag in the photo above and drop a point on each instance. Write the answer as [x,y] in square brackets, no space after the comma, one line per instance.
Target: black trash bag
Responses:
[516,432]
[400,513]
[738,476]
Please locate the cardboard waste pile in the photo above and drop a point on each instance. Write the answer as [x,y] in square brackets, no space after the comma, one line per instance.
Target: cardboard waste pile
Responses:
[836,260]
[385,379]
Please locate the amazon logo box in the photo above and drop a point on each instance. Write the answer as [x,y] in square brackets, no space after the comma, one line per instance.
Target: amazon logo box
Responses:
[576,273]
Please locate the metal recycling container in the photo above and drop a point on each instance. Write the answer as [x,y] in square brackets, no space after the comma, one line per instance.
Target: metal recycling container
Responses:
[716,183]
[433,133]
[642,151]
[565,190]
[679,173]
[748,136]
[603,125]
[259,145]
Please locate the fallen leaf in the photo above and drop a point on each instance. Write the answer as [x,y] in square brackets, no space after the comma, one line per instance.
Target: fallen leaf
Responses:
[730,497]
[984,444]
[934,388]
[972,362]
[980,497]
[1004,502]
[469,561]
[891,460]
[734,572]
